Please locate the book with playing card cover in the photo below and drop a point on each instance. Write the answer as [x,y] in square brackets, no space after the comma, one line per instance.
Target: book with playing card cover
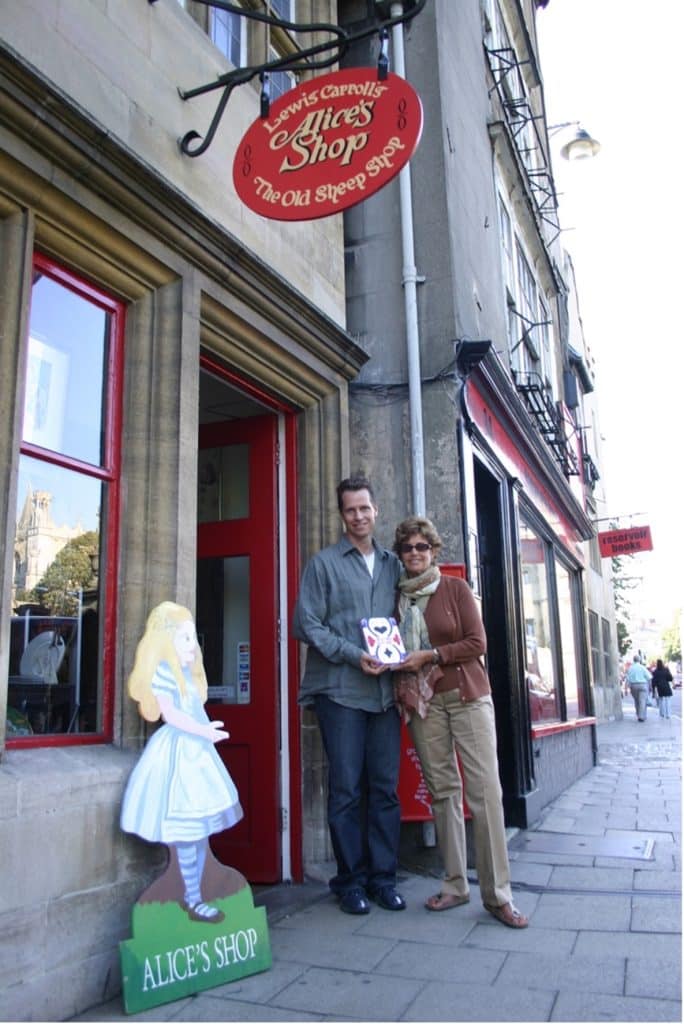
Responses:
[383,639]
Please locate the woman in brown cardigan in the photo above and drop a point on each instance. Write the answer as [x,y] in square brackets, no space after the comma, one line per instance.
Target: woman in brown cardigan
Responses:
[443,691]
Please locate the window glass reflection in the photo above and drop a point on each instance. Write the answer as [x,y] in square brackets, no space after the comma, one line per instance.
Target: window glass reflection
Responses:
[223,483]
[223,627]
[54,671]
[63,402]
[539,672]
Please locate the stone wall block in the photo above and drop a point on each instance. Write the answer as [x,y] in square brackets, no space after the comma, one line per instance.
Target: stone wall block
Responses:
[81,922]
[22,930]
[60,993]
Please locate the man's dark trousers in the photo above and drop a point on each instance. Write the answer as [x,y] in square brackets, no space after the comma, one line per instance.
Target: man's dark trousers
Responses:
[364,815]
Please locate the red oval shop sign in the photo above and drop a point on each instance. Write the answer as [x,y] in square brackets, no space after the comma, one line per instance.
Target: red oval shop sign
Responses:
[328,145]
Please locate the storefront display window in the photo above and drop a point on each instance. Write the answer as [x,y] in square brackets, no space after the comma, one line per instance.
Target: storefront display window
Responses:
[552,614]
[540,676]
[65,536]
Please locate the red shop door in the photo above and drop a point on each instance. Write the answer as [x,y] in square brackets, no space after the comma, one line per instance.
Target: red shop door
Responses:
[237,614]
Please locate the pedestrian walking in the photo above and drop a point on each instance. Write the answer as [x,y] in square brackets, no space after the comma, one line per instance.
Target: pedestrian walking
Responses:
[661,683]
[443,688]
[639,682]
[352,695]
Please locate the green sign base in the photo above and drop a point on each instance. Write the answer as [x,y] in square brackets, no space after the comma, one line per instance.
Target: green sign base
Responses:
[171,956]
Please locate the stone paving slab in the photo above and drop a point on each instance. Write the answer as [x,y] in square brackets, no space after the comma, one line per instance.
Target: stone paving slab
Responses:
[360,995]
[450,927]
[657,915]
[591,878]
[262,987]
[527,940]
[586,911]
[587,1006]
[623,818]
[661,862]
[408,959]
[548,971]
[208,1007]
[665,949]
[657,879]
[530,872]
[644,978]
[448,1002]
[540,857]
[113,1011]
[320,947]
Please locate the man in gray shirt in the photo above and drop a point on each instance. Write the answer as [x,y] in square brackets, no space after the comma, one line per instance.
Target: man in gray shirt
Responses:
[639,681]
[352,695]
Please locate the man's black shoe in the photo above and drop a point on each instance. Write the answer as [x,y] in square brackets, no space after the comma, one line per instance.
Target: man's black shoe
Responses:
[354,901]
[388,898]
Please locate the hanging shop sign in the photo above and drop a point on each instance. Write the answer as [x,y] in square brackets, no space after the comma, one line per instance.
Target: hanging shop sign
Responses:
[613,543]
[328,145]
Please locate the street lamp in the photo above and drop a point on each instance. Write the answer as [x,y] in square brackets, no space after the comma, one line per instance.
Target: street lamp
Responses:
[580,147]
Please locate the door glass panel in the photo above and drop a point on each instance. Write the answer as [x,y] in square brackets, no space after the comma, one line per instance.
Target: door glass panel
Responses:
[568,653]
[67,346]
[223,483]
[223,627]
[55,665]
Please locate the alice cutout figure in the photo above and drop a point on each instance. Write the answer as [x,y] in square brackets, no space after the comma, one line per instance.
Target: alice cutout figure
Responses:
[179,792]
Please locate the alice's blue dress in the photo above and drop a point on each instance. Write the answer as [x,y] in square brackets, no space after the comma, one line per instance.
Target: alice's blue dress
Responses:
[180,790]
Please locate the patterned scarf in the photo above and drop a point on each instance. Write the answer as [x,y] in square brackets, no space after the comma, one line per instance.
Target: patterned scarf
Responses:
[413,690]
[414,594]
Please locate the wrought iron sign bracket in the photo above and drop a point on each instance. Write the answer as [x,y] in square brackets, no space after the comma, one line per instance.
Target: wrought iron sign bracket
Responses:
[311,58]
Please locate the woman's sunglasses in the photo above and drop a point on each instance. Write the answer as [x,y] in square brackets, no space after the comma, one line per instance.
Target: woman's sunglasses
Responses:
[421,546]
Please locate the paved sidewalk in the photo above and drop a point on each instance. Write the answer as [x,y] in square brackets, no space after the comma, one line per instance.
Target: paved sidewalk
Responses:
[600,878]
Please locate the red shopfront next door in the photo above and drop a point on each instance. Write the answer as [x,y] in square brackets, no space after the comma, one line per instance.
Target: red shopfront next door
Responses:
[237,616]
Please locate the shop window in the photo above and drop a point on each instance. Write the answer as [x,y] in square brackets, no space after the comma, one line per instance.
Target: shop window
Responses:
[227,34]
[63,588]
[283,9]
[232,35]
[506,246]
[554,651]
[540,670]
[280,81]
[527,296]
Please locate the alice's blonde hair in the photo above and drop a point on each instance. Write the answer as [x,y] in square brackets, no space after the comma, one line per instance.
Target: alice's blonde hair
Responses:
[157,645]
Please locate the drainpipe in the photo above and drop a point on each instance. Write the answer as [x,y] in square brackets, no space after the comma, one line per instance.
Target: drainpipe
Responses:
[409,280]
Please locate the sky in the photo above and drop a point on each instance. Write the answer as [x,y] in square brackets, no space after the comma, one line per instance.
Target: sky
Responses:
[613,65]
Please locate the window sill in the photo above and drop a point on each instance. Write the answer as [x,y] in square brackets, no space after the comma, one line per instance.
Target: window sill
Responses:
[553,727]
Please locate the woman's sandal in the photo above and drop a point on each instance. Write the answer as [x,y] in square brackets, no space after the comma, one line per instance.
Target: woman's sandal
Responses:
[508,915]
[204,912]
[445,901]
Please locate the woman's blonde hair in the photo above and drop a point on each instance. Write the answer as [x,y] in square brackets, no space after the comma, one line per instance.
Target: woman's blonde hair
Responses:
[156,645]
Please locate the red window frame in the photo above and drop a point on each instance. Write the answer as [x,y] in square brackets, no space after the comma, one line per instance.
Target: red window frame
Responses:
[109,472]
